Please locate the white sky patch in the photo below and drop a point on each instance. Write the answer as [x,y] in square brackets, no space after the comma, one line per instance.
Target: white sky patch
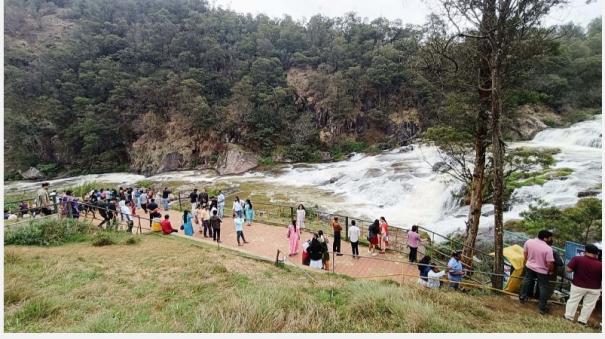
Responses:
[408,11]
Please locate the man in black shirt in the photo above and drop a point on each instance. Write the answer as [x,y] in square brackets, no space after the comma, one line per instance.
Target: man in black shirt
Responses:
[165,195]
[104,212]
[153,211]
[204,197]
[193,197]
[215,224]
[113,213]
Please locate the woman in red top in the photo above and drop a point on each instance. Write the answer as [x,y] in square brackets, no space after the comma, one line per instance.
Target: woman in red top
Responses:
[384,235]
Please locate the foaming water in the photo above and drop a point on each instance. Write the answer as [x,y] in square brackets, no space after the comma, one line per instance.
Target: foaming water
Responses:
[399,184]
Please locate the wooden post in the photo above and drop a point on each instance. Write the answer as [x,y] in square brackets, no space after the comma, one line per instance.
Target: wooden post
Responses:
[402,273]
[347,227]
[333,261]
[178,194]
[277,257]
[140,231]
[292,214]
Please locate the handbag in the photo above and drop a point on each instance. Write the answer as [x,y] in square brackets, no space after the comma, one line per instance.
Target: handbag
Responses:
[182,227]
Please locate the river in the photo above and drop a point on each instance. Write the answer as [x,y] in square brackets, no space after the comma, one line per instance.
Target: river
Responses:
[398,184]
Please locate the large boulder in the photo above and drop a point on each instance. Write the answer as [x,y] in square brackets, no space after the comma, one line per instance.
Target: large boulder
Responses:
[32,174]
[171,162]
[235,160]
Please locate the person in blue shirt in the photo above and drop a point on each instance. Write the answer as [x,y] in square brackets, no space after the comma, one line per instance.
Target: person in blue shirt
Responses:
[455,271]
[238,221]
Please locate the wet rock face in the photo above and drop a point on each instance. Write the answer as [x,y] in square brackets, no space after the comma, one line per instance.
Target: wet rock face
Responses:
[236,160]
[32,174]
[584,194]
[171,162]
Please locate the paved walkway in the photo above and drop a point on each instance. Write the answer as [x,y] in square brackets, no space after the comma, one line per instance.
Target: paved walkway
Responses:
[264,240]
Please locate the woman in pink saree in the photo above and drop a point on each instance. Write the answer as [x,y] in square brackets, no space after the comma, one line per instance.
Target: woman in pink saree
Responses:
[293,238]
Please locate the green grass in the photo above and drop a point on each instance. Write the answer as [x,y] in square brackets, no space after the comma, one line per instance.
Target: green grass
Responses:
[170,284]
[521,179]
[144,183]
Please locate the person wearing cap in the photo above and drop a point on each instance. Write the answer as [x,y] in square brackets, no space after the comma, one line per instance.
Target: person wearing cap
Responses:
[539,263]
[455,271]
[586,284]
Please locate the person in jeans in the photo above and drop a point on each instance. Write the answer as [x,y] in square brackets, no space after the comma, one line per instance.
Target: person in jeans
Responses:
[354,233]
[143,200]
[239,229]
[413,242]
[455,271]
[165,195]
[586,284]
[215,224]
[337,229]
[539,264]
[220,204]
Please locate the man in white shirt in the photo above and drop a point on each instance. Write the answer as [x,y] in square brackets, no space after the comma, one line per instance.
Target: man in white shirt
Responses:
[354,233]
[221,204]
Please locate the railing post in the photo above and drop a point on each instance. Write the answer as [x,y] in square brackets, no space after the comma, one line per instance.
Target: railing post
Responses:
[277,257]
[291,213]
[402,273]
[140,231]
[347,227]
[333,261]
[179,195]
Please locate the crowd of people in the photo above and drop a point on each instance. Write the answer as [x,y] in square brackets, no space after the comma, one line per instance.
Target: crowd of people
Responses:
[540,265]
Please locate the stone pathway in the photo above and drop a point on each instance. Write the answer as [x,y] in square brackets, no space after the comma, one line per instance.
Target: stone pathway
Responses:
[264,241]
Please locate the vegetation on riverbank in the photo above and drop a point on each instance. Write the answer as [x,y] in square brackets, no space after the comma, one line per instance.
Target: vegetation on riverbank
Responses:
[170,284]
[581,223]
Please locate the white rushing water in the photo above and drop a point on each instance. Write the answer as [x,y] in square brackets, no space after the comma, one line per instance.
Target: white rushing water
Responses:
[400,184]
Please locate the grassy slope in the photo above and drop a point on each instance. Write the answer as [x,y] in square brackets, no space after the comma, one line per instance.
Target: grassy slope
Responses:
[177,285]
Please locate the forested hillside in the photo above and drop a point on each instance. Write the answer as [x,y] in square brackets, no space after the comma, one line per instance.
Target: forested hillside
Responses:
[110,85]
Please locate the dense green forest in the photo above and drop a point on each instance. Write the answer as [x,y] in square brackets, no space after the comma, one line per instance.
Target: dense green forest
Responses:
[109,85]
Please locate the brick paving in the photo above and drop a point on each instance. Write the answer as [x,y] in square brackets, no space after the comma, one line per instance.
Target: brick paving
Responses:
[264,241]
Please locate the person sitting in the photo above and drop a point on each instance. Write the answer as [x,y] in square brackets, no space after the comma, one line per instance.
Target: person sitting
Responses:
[424,268]
[315,251]
[166,226]
[434,276]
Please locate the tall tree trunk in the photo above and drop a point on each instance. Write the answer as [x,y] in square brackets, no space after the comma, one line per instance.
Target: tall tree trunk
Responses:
[478,181]
[498,171]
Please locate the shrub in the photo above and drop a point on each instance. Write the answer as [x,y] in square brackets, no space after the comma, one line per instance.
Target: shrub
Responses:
[144,183]
[48,232]
[102,239]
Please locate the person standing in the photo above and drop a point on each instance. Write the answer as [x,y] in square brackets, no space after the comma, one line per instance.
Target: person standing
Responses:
[166,226]
[165,196]
[204,217]
[293,238]
[586,284]
[193,197]
[126,215]
[413,242]
[384,235]
[237,207]
[137,197]
[239,229]
[300,217]
[154,211]
[354,234]
[249,212]
[187,225]
[337,229]
[143,199]
[215,224]
[455,271]
[203,197]
[220,204]
[43,199]
[539,263]
[373,231]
